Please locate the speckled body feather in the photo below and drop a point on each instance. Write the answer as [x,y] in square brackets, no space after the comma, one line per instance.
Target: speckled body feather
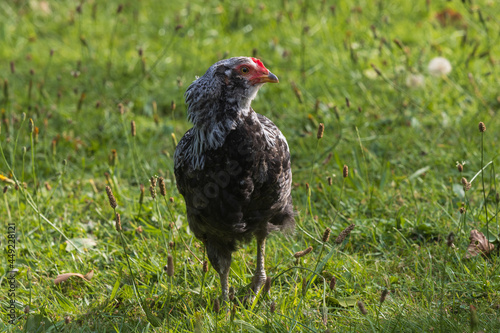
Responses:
[244,187]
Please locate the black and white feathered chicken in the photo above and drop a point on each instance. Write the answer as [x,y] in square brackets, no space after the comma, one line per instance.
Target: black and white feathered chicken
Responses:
[233,165]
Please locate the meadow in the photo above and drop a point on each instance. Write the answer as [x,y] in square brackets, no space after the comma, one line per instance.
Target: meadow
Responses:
[76,75]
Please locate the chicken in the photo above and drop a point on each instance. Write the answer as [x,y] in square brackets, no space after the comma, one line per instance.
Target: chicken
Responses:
[233,166]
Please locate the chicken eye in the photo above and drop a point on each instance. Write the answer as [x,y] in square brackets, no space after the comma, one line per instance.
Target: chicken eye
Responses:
[244,69]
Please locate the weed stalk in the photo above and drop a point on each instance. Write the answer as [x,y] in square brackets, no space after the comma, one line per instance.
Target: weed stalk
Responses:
[485,204]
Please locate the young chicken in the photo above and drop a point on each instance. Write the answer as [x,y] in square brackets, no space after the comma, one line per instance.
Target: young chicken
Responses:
[233,165]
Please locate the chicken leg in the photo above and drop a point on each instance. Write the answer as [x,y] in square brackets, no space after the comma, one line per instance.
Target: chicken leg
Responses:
[259,277]
[220,258]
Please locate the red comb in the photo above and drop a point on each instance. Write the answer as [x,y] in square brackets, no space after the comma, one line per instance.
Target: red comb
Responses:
[259,63]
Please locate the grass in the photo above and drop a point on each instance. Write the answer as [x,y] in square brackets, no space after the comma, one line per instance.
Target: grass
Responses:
[66,67]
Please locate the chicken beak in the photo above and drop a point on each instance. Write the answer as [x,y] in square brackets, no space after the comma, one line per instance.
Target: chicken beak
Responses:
[269,77]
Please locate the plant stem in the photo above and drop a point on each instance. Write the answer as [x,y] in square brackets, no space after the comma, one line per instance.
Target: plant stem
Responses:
[484,192]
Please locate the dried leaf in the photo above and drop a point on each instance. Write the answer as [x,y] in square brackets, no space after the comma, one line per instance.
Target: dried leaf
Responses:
[448,16]
[89,275]
[478,245]
[63,277]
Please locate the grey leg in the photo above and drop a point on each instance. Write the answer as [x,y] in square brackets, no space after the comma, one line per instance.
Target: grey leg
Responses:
[220,258]
[224,282]
[260,273]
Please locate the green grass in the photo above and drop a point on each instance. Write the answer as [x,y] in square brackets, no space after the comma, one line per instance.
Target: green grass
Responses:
[401,144]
